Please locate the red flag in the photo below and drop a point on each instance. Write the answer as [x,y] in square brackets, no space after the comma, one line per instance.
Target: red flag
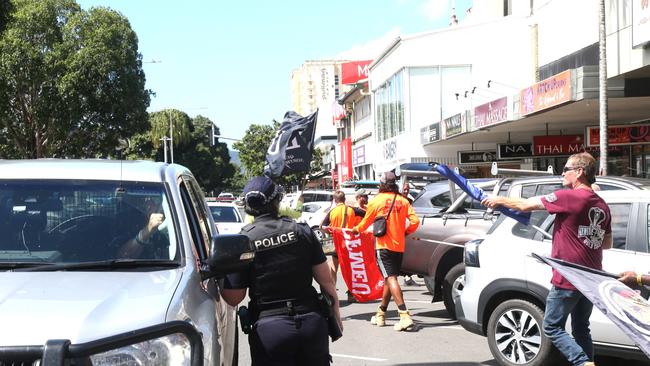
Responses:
[359,265]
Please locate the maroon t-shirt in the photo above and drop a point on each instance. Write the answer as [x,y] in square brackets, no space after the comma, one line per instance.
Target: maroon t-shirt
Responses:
[582,219]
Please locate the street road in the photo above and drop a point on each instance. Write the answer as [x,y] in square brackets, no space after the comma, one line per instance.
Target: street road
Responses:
[435,341]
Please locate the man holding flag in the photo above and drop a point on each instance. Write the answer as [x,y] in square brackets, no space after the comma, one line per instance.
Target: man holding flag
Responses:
[581,231]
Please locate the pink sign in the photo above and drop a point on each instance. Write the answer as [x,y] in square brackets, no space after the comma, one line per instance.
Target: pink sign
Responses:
[490,113]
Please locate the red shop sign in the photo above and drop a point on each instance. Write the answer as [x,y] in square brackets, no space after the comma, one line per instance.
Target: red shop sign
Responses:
[558,145]
[352,72]
[620,135]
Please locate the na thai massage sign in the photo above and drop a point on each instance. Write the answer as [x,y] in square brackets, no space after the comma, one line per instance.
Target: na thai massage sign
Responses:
[620,135]
[546,94]
[558,145]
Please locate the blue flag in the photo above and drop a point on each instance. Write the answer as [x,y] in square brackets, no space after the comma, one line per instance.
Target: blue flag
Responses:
[478,194]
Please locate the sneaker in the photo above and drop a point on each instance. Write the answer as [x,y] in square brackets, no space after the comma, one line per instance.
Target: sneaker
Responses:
[379,319]
[408,281]
[405,321]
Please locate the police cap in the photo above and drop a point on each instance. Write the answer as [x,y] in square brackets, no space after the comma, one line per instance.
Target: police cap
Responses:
[260,191]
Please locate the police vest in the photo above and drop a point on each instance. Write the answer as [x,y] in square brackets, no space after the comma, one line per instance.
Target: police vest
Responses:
[282,268]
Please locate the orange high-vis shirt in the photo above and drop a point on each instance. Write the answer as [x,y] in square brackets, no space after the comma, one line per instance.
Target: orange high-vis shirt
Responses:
[396,229]
[336,216]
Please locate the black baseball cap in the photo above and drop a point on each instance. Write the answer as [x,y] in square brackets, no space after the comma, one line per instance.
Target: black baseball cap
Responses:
[260,191]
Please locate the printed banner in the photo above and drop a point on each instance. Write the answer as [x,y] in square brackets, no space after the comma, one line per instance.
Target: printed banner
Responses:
[359,265]
[622,305]
[291,148]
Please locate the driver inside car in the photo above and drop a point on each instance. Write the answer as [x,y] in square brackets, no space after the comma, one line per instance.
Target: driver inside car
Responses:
[146,242]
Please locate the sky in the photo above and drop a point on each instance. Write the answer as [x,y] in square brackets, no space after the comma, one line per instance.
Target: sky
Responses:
[231,61]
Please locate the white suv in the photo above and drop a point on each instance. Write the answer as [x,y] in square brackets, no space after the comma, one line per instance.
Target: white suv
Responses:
[505,287]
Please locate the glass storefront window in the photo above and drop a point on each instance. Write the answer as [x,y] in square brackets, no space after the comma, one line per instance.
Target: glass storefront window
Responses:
[389,106]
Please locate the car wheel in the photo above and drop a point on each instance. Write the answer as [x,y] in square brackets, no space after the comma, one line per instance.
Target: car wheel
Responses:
[430,282]
[452,287]
[515,335]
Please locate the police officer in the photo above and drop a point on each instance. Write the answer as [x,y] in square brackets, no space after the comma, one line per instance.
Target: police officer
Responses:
[288,325]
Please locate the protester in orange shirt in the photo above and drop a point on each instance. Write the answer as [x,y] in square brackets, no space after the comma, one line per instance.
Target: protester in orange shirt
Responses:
[390,247]
[337,216]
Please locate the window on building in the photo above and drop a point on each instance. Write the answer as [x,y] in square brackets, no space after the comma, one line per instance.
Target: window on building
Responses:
[362,109]
[389,107]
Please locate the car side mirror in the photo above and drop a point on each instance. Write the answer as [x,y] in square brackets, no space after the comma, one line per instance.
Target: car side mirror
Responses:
[229,253]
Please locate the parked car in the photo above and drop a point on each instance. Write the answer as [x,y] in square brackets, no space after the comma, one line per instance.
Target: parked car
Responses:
[79,282]
[226,197]
[226,217]
[439,257]
[313,213]
[505,287]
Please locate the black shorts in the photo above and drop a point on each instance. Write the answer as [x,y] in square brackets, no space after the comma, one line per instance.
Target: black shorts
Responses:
[389,262]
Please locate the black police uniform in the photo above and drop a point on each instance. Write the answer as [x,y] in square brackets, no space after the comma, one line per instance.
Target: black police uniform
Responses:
[288,327]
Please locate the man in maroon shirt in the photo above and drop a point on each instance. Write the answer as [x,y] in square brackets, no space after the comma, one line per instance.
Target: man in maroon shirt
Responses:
[581,231]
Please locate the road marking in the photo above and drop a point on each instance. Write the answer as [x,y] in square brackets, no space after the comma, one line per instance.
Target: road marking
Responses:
[418,301]
[359,357]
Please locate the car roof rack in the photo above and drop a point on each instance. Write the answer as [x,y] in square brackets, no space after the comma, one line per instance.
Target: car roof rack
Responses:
[407,170]
[495,170]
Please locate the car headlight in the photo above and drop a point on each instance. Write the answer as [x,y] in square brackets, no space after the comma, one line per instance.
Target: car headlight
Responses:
[174,349]
[471,253]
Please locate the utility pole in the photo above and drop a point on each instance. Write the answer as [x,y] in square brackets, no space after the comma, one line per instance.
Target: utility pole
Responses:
[602,83]
[171,136]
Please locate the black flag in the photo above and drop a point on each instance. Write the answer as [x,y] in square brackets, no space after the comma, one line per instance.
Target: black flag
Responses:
[622,305]
[291,148]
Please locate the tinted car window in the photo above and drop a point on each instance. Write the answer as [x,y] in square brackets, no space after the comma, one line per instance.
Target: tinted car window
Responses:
[534,190]
[620,217]
[608,187]
[527,231]
[224,214]
[310,208]
[441,200]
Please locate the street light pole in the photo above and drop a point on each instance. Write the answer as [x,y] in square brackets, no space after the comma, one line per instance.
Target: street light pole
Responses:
[164,140]
[171,136]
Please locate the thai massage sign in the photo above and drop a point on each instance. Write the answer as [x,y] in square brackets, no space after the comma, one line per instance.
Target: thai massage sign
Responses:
[558,145]
[545,94]
[620,135]
[491,113]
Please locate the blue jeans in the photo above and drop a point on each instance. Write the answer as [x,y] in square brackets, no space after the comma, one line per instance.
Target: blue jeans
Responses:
[559,304]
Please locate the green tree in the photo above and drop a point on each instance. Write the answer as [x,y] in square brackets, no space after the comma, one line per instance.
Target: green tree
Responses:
[71,81]
[5,12]
[253,146]
[181,127]
[210,164]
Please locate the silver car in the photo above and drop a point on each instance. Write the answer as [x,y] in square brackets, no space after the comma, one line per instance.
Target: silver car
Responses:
[79,280]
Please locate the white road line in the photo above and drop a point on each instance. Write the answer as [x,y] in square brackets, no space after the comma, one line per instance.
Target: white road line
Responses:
[417,301]
[359,357]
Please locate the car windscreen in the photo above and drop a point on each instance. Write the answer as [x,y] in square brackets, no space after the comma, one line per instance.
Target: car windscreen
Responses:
[224,214]
[74,221]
